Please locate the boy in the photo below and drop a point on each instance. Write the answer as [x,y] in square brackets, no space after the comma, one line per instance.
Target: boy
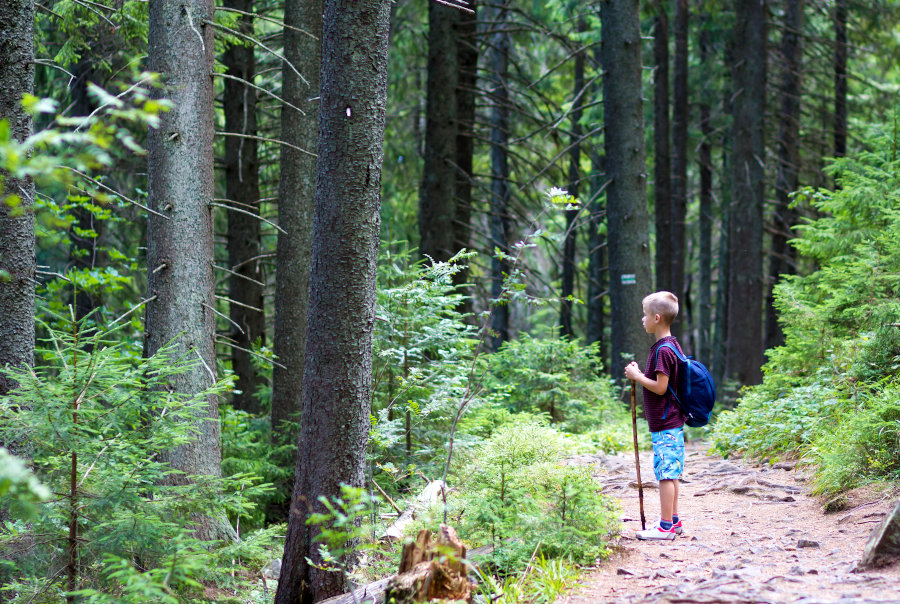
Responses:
[666,426]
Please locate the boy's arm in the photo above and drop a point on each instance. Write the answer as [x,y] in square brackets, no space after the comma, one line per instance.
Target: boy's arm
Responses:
[657,386]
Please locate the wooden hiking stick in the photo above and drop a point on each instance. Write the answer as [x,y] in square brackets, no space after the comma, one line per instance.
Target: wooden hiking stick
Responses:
[637,459]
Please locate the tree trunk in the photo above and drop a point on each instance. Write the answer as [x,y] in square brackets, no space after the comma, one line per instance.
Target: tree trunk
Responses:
[781,260]
[704,295]
[180,242]
[242,189]
[500,196]
[680,117]
[296,195]
[437,192]
[17,261]
[840,78]
[720,333]
[596,257]
[568,257]
[627,216]
[83,247]
[745,337]
[338,377]
[662,166]
[466,81]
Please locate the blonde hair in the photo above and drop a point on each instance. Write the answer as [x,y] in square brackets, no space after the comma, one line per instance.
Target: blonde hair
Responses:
[664,304]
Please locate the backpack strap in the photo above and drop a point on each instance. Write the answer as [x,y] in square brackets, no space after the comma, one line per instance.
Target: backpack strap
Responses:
[680,357]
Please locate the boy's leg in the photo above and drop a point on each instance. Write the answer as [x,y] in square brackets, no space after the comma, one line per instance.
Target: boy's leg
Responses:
[667,493]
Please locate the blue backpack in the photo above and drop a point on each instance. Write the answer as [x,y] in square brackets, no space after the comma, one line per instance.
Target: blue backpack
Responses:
[695,392]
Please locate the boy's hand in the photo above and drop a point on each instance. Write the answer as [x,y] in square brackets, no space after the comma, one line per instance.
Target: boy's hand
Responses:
[633,371]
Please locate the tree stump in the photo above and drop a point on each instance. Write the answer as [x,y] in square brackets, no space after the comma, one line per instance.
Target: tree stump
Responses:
[431,570]
[883,546]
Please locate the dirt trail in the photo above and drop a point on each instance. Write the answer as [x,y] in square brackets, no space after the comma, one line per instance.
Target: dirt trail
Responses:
[751,534]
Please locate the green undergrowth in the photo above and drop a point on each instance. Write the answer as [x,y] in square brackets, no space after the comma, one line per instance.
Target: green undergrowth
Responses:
[831,395]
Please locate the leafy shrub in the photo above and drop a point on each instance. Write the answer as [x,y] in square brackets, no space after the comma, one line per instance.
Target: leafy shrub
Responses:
[551,375]
[517,494]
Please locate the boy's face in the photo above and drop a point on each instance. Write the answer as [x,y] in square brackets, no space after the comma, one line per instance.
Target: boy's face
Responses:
[651,321]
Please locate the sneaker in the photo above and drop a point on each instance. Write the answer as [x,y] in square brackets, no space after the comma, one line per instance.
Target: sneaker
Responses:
[656,533]
[677,527]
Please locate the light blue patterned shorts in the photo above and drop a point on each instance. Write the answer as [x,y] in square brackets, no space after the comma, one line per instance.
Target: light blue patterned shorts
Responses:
[668,453]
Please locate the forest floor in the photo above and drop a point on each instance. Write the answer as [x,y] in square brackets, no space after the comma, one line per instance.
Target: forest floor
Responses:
[752,533]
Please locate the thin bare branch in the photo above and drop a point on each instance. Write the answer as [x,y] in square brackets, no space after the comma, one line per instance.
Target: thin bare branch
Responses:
[134,308]
[236,274]
[227,318]
[261,89]
[114,192]
[235,302]
[269,19]
[260,44]
[266,140]
[234,209]
[226,342]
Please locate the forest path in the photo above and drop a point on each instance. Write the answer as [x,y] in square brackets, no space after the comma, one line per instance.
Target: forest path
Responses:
[751,534]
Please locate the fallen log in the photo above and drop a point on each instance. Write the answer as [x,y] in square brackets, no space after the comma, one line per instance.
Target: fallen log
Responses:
[429,496]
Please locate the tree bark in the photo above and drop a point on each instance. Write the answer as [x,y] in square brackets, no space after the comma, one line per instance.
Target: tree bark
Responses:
[437,192]
[745,337]
[781,259]
[296,195]
[180,242]
[500,195]
[338,375]
[627,216]
[17,260]
[662,165]
[466,81]
[568,256]
[680,117]
[242,187]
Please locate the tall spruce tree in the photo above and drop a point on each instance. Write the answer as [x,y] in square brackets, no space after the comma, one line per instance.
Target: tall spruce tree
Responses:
[245,282]
[296,202]
[680,119]
[17,259]
[781,256]
[337,380]
[745,284]
[627,216]
[180,228]
[437,193]
[500,193]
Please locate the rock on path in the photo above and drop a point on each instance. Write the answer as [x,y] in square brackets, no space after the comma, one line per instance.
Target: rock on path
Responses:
[751,534]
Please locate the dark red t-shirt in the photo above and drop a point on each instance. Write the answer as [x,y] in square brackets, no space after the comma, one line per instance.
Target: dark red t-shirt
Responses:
[655,404]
